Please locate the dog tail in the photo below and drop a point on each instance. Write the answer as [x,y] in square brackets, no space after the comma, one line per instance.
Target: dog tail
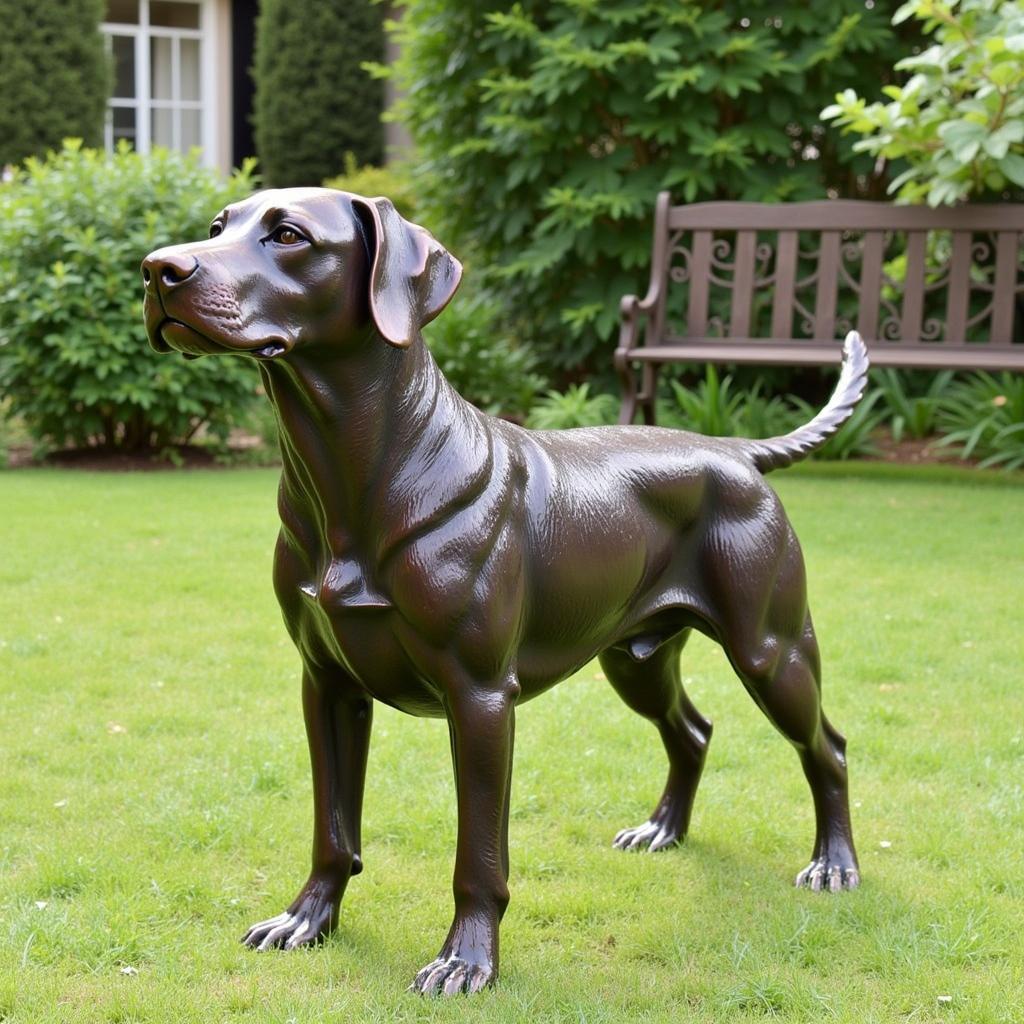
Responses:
[778,452]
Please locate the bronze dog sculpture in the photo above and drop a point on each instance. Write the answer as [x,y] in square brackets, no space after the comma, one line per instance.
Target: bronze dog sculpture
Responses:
[449,563]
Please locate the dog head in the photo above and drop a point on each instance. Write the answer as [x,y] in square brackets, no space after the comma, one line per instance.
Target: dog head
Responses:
[297,266]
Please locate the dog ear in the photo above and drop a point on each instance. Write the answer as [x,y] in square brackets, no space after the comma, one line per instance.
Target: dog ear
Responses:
[412,276]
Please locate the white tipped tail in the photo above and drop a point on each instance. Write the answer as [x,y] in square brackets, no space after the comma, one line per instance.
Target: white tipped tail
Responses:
[777,452]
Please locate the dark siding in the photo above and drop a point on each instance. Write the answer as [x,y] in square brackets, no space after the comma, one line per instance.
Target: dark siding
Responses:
[243,34]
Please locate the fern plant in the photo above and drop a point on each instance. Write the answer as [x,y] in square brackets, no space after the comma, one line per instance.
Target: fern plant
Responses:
[855,438]
[912,415]
[574,407]
[712,407]
[984,417]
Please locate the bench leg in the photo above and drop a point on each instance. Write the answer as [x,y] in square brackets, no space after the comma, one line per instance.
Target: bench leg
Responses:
[627,377]
[648,393]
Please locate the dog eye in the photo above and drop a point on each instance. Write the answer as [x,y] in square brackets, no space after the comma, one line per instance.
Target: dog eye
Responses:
[286,235]
[216,228]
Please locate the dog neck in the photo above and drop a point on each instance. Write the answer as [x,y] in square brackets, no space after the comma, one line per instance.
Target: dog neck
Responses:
[375,444]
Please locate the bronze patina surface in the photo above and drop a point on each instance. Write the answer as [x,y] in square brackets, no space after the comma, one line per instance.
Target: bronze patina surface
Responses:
[451,564]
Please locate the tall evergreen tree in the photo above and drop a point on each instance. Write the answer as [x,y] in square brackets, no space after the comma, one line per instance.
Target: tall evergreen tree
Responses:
[313,101]
[55,75]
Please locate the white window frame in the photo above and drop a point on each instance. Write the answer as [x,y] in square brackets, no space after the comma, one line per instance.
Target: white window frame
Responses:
[144,104]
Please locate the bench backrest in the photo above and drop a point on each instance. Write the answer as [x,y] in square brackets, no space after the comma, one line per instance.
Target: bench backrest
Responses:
[905,275]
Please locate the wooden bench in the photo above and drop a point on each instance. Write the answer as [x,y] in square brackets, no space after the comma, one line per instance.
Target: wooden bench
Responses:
[783,283]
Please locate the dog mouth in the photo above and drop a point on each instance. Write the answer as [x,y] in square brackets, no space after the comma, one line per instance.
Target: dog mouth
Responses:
[175,336]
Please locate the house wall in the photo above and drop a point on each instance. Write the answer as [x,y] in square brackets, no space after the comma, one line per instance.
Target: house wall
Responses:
[222,92]
[397,140]
[227,28]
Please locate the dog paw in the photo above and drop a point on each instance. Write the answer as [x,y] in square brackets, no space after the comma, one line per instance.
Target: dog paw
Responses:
[651,835]
[306,922]
[825,874]
[449,976]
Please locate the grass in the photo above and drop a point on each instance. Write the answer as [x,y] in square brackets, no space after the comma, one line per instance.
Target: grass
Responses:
[154,791]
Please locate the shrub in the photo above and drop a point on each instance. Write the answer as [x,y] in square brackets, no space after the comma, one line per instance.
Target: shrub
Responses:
[468,340]
[983,417]
[715,407]
[546,128]
[958,121]
[54,75]
[74,361]
[313,102]
[912,412]
[391,181]
[480,360]
[709,408]
[574,407]
[855,438]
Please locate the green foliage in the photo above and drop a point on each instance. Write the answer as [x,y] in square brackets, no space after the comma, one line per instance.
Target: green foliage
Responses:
[958,121]
[912,412]
[983,417]
[710,408]
[469,340]
[313,101]
[575,407]
[717,408]
[482,363]
[546,128]
[392,181]
[855,438]
[54,76]
[74,361]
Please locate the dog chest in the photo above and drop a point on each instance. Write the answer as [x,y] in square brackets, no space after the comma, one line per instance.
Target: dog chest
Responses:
[345,584]
[348,619]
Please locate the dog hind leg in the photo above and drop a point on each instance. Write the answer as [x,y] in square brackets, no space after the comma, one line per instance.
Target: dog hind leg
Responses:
[653,688]
[784,680]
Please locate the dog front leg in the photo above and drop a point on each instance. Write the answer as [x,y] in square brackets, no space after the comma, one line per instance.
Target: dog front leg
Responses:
[338,718]
[482,726]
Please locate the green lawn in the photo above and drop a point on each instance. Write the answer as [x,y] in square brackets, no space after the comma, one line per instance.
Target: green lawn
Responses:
[154,790]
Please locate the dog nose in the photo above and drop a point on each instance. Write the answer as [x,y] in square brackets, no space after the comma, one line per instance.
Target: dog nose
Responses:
[169,269]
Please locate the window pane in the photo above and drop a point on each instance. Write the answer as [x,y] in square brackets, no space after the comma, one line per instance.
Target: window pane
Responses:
[124,11]
[160,68]
[174,14]
[191,133]
[123,48]
[162,122]
[189,69]
[123,119]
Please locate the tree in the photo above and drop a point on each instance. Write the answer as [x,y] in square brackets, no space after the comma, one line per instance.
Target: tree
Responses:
[314,103]
[55,75]
[958,121]
[546,128]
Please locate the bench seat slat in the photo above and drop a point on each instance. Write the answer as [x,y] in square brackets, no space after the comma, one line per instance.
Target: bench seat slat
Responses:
[958,293]
[913,286]
[742,284]
[700,276]
[845,215]
[870,284]
[814,353]
[828,283]
[1004,296]
[785,280]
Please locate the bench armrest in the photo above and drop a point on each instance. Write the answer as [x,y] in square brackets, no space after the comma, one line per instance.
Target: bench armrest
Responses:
[632,310]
